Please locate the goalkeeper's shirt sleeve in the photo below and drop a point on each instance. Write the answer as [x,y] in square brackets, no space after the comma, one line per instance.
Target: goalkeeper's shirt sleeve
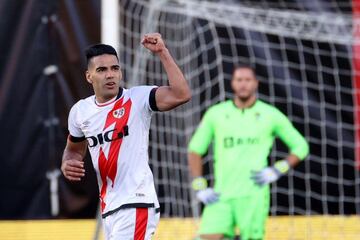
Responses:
[203,136]
[290,136]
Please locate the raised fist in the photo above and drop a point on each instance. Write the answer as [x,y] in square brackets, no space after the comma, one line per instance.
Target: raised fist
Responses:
[153,42]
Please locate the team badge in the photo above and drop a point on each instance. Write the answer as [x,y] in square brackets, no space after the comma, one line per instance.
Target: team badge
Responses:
[118,113]
[257,116]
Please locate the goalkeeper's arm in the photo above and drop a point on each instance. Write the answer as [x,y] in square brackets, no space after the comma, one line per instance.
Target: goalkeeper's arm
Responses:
[298,148]
[195,164]
[197,147]
[204,193]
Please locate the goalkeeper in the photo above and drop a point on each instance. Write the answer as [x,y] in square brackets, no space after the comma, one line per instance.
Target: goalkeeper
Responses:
[242,130]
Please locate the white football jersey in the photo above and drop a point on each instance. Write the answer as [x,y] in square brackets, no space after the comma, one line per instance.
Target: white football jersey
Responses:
[118,137]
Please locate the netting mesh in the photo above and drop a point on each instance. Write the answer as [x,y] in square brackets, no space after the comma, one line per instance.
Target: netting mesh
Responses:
[304,64]
[338,6]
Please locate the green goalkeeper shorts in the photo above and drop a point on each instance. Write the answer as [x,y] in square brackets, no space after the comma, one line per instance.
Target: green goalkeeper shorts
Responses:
[248,214]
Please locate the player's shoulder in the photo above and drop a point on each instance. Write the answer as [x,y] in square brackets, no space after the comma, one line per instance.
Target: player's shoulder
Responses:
[268,108]
[84,104]
[140,89]
[264,105]
[221,105]
[218,108]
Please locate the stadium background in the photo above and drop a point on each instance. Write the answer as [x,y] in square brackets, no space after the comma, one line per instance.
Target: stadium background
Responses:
[35,100]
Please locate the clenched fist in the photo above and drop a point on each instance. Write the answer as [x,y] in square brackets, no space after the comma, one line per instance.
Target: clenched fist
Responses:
[153,42]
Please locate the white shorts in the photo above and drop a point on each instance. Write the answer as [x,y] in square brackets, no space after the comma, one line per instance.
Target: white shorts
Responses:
[131,224]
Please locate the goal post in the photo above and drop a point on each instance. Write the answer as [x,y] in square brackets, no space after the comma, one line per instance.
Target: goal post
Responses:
[110,23]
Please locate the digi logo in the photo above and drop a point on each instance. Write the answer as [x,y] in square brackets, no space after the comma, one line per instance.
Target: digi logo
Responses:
[101,138]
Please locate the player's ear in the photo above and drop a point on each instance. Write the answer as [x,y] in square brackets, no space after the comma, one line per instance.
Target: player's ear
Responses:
[257,83]
[88,77]
[232,82]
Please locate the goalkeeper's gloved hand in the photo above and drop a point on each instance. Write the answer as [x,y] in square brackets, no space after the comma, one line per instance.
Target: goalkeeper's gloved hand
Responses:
[203,193]
[271,174]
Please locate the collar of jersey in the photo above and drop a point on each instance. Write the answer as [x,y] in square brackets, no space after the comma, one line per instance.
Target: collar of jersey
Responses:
[247,108]
[110,101]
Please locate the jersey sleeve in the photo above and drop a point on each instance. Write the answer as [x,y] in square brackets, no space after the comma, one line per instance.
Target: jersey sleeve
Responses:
[145,98]
[285,130]
[76,135]
[203,136]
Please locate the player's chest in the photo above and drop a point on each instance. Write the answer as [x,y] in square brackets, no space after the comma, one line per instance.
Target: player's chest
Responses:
[109,125]
[243,124]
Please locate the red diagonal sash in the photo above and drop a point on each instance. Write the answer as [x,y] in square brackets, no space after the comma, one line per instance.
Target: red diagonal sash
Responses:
[108,166]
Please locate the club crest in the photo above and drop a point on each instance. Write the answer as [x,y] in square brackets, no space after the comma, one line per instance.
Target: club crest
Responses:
[118,113]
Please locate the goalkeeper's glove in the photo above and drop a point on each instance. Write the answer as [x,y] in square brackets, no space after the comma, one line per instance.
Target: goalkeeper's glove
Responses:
[271,174]
[203,193]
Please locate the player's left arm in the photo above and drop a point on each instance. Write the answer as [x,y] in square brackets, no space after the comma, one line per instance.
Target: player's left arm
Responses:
[178,92]
[297,144]
[298,150]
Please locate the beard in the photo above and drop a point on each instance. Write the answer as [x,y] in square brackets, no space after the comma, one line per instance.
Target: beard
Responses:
[244,98]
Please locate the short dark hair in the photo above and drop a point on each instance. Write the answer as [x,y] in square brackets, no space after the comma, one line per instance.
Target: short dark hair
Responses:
[247,66]
[99,49]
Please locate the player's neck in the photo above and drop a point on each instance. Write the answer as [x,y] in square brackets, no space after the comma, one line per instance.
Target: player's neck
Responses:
[100,100]
[245,103]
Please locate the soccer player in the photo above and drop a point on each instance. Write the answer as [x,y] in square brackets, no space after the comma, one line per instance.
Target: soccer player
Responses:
[242,130]
[114,125]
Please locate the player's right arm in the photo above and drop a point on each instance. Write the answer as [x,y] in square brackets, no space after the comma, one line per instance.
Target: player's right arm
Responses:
[198,146]
[72,161]
[72,165]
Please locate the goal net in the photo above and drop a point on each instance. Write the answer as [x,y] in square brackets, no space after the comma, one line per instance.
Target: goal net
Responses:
[304,61]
